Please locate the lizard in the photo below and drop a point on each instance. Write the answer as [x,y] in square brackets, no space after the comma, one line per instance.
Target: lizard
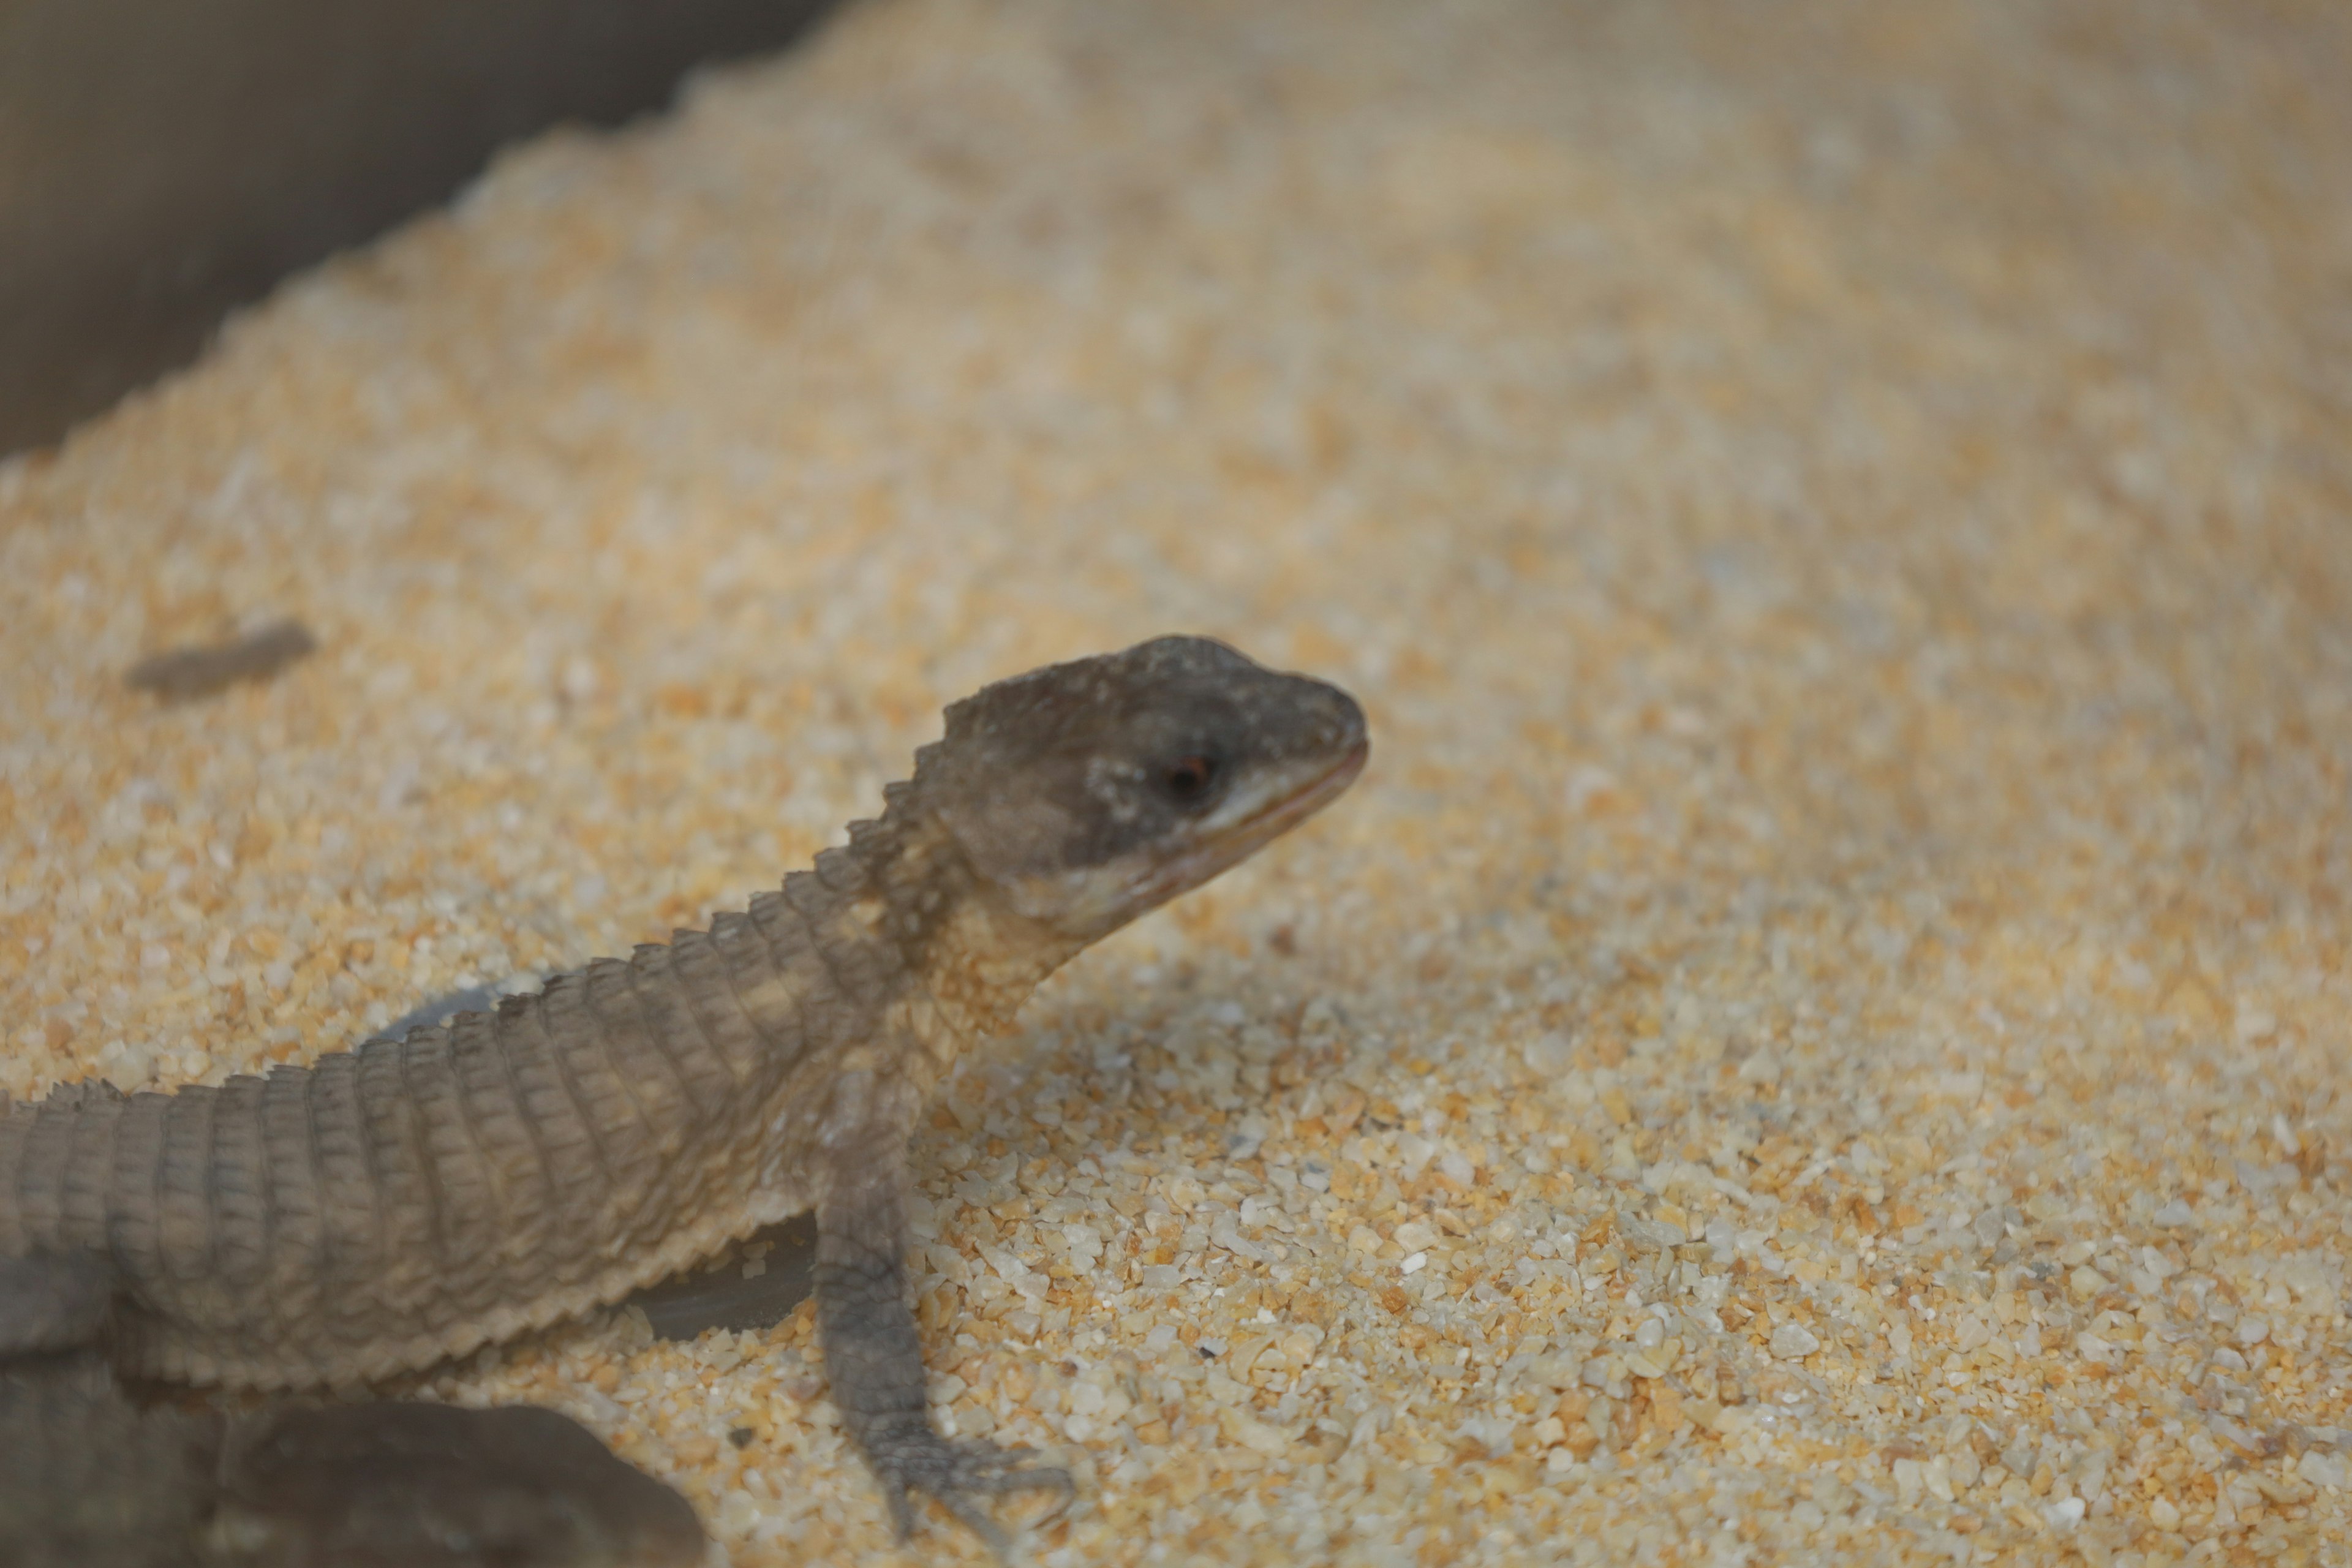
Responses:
[404,1203]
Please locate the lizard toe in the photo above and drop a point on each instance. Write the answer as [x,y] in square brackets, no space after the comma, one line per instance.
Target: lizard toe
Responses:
[956,1474]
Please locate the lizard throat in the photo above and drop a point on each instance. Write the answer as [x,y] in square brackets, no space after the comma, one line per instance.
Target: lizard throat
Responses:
[969,969]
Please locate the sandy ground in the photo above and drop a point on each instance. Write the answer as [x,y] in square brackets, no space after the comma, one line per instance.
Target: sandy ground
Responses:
[1822,1035]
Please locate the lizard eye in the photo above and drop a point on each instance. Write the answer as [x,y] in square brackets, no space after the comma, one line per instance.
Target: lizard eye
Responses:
[1188,779]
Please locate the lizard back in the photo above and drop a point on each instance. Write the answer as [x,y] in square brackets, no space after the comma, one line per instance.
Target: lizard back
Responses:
[386,1208]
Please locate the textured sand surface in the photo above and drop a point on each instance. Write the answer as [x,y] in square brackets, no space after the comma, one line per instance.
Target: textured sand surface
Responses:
[1823,1033]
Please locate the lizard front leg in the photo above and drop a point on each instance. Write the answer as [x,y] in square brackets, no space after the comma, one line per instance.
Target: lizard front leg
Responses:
[873,1360]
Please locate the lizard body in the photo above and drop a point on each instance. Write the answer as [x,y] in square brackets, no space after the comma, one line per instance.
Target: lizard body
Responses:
[394,1205]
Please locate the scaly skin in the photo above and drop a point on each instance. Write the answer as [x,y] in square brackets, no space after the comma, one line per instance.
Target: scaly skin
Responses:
[390,1207]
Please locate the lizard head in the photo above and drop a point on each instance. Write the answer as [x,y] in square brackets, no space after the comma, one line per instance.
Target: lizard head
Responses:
[1084,794]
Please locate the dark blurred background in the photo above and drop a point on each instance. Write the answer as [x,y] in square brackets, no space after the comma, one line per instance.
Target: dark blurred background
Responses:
[163,161]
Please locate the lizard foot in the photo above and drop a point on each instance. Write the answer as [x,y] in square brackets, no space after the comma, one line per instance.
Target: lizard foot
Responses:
[957,1473]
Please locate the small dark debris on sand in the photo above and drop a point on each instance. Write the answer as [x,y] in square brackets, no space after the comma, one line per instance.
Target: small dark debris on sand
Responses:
[184,674]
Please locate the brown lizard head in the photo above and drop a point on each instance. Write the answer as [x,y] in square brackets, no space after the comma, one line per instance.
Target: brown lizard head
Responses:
[1084,794]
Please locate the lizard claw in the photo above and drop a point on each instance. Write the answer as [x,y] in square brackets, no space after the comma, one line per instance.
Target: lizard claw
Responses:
[957,1473]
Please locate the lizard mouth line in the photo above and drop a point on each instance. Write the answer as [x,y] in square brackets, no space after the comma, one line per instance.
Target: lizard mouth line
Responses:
[1231,842]
[1277,816]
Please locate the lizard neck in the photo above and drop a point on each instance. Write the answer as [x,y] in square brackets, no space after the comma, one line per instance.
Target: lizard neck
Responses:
[970,962]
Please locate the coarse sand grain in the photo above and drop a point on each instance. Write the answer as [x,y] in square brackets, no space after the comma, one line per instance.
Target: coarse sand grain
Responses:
[1822,1036]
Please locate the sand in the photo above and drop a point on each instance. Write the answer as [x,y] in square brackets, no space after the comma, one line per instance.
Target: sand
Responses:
[1820,1036]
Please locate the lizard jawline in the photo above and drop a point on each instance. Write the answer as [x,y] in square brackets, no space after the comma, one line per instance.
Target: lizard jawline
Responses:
[1228,844]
